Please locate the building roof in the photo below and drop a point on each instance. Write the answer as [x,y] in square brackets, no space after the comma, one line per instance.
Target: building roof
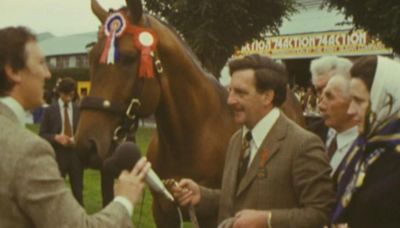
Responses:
[67,45]
[44,36]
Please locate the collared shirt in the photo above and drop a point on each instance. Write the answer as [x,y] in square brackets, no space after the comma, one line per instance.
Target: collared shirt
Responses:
[344,141]
[126,203]
[329,136]
[260,131]
[17,108]
[61,105]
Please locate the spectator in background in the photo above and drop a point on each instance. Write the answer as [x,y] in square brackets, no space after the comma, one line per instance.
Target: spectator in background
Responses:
[334,103]
[309,102]
[369,179]
[38,112]
[58,126]
[322,69]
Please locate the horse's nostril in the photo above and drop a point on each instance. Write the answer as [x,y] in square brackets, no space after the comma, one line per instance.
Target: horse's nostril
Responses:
[92,147]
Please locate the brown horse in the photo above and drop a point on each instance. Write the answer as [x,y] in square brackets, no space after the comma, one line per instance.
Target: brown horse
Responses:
[194,123]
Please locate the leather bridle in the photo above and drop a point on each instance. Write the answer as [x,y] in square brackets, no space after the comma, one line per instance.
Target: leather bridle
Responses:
[128,125]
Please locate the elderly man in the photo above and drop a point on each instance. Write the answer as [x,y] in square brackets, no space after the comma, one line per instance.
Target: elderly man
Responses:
[32,191]
[322,69]
[333,104]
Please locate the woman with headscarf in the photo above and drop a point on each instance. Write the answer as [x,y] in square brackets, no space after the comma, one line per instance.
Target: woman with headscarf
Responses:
[369,178]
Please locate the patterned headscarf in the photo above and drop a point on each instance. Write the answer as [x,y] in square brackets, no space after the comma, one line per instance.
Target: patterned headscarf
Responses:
[383,135]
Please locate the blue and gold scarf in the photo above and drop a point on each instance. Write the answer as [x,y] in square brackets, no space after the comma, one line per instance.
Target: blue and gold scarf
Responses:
[364,152]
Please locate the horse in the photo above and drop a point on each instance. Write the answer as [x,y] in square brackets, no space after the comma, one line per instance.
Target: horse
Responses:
[193,121]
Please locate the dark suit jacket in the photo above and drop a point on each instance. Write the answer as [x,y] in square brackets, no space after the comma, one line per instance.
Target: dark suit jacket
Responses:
[32,192]
[289,176]
[377,202]
[319,128]
[52,124]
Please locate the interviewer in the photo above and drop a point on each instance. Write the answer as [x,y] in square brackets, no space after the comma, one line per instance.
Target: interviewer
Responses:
[32,191]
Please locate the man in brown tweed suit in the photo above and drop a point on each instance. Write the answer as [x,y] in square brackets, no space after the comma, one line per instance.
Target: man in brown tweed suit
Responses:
[285,171]
[32,191]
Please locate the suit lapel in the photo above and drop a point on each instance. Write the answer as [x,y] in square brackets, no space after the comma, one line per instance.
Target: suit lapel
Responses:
[57,115]
[75,115]
[266,152]
[234,163]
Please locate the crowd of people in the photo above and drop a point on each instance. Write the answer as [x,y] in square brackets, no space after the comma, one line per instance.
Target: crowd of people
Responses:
[341,171]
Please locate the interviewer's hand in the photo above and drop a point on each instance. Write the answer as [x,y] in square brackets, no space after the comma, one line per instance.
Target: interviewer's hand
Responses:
[187,192]
[130,184]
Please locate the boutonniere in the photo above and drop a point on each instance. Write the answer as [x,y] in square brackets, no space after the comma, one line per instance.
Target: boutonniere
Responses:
[263,158]
[262,170]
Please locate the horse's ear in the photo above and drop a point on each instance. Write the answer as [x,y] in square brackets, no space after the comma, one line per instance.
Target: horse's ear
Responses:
[99,11]
[135,7]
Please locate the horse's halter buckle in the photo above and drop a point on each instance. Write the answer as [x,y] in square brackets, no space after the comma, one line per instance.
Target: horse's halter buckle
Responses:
[158,65]
[118,133]
[135,103]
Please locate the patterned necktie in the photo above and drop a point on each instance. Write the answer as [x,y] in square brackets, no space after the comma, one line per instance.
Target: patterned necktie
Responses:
[67,124]
[245,156]
[332,148]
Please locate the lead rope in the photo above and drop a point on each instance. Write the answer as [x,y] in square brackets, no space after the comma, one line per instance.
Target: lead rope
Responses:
[192,213]
[193,217]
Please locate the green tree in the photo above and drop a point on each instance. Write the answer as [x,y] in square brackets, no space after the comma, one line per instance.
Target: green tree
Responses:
[213,28]
[380,18]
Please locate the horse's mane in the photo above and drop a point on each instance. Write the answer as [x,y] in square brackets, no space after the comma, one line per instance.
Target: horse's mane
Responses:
[187,48]
[193,56]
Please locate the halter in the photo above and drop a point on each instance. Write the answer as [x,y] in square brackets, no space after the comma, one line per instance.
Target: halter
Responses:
[145,41]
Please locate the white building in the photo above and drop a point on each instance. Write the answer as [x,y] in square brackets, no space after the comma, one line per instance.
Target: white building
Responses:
[311,33]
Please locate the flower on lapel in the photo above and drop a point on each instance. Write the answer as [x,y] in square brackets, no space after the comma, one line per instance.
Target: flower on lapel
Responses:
[262,170]
[263,158]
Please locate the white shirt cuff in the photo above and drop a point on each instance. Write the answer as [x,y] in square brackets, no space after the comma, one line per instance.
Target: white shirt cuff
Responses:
[126,203]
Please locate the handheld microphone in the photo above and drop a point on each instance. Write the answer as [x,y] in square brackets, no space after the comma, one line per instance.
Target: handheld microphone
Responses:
[125,157]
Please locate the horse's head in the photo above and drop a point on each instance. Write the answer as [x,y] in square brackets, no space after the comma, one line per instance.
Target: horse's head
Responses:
[124,85]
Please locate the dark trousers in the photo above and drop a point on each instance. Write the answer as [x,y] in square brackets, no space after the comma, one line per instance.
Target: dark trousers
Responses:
[68,163]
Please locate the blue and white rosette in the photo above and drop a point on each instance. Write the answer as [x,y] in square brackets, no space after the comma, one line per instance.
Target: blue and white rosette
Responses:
[114,27]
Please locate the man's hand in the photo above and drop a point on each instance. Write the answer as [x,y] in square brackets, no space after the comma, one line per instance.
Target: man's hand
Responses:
[251,218]
[186,192]
[130,184]
[63,139]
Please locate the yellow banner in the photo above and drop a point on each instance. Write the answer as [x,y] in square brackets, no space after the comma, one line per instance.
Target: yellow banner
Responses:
[344,43]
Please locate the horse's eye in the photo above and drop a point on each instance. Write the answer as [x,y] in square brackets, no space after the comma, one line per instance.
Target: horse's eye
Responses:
[127,59]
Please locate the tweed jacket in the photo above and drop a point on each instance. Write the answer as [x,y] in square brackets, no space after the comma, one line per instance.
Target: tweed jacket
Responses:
[32,192]
[289,176]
